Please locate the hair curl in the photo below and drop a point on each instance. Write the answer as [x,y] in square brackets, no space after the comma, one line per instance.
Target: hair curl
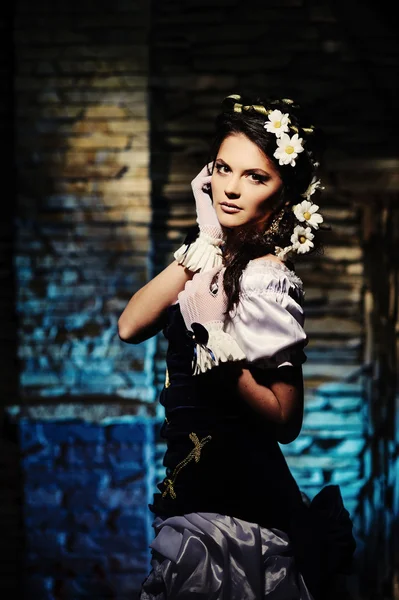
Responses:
[246,242]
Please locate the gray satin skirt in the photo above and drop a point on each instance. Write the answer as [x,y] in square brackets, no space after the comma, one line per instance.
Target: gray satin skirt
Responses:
[209,556]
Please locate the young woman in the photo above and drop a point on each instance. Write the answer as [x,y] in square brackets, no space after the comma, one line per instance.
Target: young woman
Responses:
[231,522]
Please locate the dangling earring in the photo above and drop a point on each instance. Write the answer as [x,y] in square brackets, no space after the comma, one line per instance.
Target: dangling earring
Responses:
[274,227]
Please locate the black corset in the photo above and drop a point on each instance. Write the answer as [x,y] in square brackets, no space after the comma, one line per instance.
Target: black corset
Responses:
[221,456]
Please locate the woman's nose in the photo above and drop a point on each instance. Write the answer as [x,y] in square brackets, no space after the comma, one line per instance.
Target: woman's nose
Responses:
[232,187]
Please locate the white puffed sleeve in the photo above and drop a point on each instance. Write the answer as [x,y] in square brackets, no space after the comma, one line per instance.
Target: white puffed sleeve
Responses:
[268,321]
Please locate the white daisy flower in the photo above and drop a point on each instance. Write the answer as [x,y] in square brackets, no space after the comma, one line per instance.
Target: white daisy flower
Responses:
[313,186]
[277,123]
[302,239]
[307,211]
[288,149]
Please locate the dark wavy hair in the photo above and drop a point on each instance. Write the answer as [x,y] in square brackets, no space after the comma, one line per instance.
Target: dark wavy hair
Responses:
[246,242]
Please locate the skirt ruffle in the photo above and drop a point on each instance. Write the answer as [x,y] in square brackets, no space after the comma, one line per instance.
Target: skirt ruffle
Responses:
[209,556]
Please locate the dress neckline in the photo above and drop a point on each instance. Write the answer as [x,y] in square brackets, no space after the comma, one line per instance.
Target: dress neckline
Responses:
[270,263]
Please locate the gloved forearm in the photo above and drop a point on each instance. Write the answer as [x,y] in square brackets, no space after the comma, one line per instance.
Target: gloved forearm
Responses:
[205,252]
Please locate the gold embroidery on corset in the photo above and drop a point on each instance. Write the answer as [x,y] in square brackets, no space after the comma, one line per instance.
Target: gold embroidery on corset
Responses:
[194,454]
[167,382]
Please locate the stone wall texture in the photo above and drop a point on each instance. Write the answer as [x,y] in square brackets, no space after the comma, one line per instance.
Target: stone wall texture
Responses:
[109,112]
[82,146]
[87,486]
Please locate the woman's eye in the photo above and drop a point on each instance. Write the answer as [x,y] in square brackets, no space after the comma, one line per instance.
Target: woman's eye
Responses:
[258,178]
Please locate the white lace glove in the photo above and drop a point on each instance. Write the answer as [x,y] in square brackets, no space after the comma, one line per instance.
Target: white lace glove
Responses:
[205,252]
[203,303]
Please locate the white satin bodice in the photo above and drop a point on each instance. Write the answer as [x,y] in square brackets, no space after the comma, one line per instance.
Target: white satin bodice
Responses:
[268,321]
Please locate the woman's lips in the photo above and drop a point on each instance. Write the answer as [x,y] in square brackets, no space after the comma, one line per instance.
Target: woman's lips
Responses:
[229,209]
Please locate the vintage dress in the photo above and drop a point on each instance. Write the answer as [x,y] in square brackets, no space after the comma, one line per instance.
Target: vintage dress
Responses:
[228,491]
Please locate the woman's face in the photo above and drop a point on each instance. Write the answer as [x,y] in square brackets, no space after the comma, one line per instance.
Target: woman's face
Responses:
[245,177]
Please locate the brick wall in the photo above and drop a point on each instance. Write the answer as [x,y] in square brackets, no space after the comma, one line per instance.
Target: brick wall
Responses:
[79,163]
[83,194]
[87,486]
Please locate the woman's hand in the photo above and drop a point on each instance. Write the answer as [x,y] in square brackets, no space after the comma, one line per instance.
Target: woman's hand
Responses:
[203,304]
[205,253]
[206,214]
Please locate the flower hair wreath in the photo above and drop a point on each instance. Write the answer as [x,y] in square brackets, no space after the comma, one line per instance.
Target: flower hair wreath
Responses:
[286,153]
